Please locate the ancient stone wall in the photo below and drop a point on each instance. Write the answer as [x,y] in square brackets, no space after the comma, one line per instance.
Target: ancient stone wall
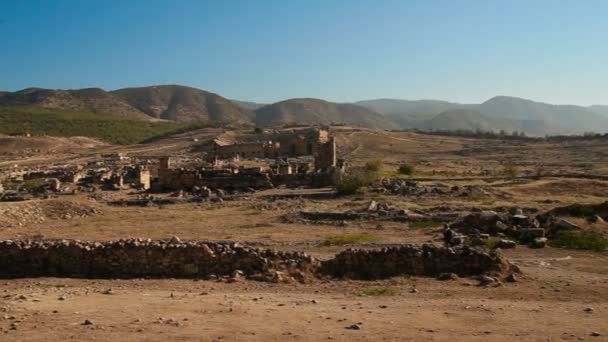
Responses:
[144,258]
[137,258]
[425,260]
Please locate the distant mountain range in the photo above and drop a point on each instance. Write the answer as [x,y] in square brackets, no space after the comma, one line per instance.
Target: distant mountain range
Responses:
[502,112]
[186,104]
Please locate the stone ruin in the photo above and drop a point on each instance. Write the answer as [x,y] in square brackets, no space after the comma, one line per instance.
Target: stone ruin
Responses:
[138,258]
[297,159]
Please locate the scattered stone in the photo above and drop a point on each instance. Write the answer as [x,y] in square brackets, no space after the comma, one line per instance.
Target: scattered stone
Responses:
[447,276]
[511,278]
[538,243]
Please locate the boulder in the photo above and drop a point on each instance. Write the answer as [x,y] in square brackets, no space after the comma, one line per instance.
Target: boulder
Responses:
[538,243]
[506,244]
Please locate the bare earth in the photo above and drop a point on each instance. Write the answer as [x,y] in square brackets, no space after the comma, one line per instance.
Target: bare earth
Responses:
[561,295]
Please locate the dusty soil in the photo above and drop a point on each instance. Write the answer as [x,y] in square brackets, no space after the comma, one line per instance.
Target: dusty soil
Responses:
[560,295]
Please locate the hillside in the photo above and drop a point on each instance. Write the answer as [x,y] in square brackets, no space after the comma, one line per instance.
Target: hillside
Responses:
[169,102]
[462,119]
[248,105]
[319,112]
[38,121]
[183,104]
[401,108]
[93,100]
[599,109]
[563,119]
[535,118]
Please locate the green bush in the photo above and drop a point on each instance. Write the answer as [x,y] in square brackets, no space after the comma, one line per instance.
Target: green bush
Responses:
[348,239]
[374,165]
[406,169]
[355,182]
[580,240]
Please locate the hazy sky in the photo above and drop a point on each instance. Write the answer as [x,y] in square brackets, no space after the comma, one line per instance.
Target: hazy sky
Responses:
[468,51]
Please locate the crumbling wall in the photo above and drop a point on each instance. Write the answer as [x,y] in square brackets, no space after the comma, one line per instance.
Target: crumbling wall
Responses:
[137,258]
[425,260]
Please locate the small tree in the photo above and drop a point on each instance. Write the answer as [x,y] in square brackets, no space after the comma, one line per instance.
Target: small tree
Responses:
[406,169]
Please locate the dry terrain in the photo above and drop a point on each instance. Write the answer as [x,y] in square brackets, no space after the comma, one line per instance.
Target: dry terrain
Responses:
[561,294]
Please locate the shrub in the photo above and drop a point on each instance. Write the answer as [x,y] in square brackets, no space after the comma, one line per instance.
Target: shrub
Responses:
[353,183]
[348,239]
[374,165]
[406,169]
[580,240]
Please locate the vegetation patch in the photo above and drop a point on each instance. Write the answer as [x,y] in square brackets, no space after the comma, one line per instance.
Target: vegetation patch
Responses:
[110,128]
[374,165]
[356,182]
[349,239]
[406,169]
[580,240]
[375,291]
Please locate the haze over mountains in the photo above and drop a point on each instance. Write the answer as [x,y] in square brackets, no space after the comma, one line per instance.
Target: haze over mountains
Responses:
[187,104]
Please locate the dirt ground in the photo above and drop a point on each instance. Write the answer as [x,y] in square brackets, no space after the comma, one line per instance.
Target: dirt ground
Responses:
[561,295]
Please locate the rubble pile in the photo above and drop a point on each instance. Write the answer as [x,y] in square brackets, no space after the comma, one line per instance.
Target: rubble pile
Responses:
[406,187]
[484,223]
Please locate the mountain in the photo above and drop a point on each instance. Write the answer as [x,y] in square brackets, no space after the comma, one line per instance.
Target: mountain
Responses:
[180,103]
[92,100]
[599,109]
[557,119]
[535,118]
[169,102]
[248,105]
[464,119]
[395,107]
[308,111]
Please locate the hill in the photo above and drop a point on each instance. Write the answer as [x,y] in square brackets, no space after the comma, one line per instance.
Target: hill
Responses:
[463,119]
[562,119]
[169,102]
[599,109]
[319,112]
[248,105]
[183,104]
[534,118]
[93,100]
[38,121]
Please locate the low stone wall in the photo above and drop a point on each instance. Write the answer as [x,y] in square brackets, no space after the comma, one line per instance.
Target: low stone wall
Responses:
[425,260]
[137,258]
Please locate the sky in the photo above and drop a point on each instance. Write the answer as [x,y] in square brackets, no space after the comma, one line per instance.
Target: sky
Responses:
[341,50]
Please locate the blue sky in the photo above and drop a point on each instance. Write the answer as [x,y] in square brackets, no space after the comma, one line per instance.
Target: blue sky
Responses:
[268,50]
